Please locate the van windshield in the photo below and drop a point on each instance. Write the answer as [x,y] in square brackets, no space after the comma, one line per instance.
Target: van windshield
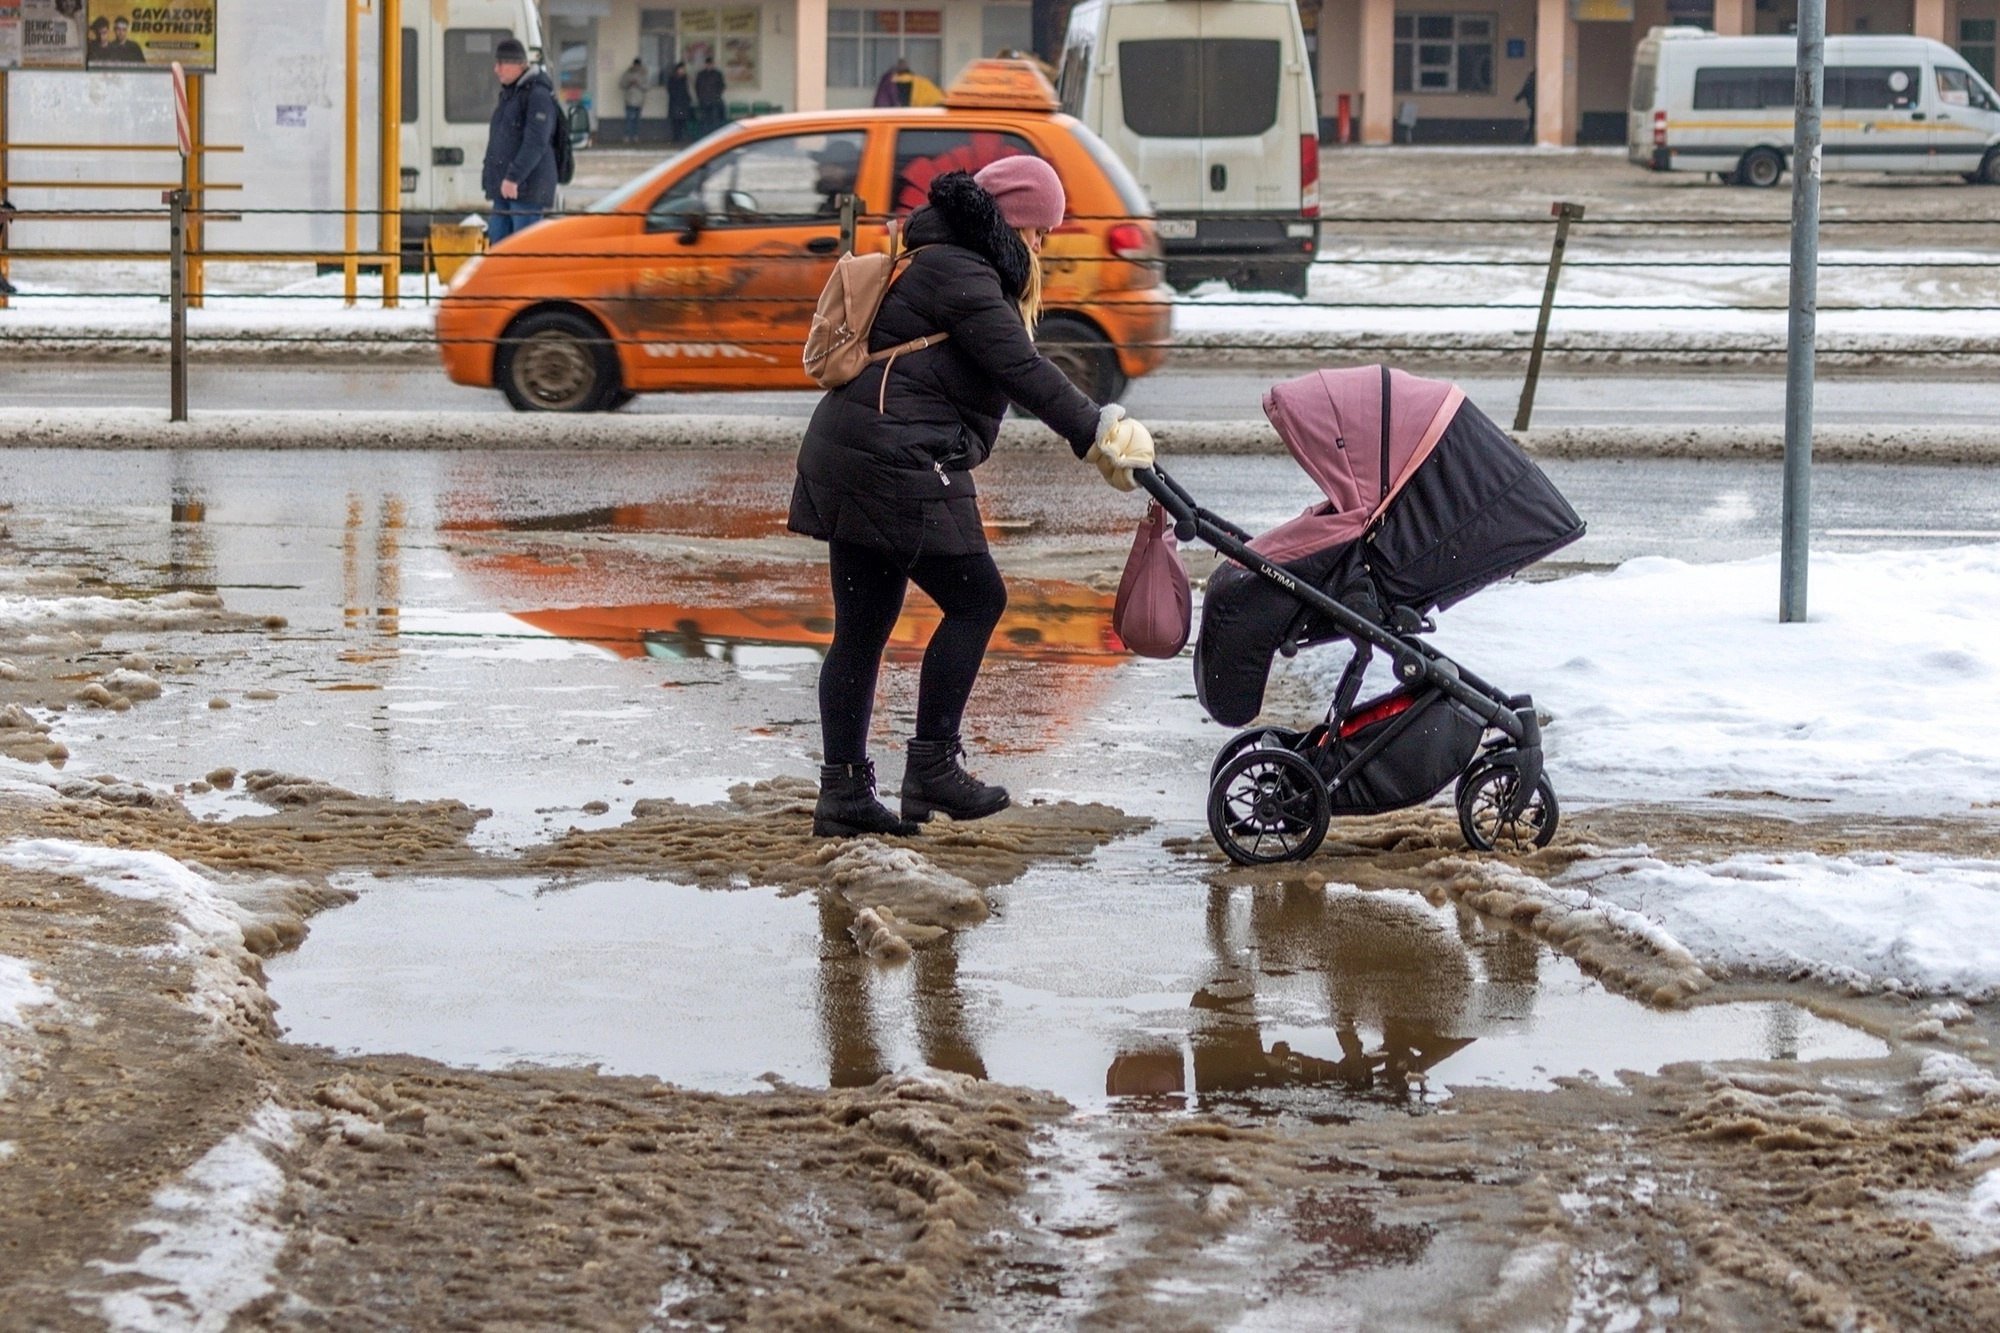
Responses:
[1233,81]
[1961,87]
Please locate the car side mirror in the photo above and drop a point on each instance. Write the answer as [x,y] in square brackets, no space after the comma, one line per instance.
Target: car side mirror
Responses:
[739,203]
[691,232]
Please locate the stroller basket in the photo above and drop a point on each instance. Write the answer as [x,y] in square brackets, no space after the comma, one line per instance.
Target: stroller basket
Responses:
[1427,502]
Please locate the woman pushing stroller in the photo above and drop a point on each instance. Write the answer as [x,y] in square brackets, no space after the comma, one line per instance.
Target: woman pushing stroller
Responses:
[885,479]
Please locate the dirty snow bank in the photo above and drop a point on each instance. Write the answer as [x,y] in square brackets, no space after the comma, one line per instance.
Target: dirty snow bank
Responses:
[216,1236]
[208,936]
[1908,923]
[1670,682]
[1673,684]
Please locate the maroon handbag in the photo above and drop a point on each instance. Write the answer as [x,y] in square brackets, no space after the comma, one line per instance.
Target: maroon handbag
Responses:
[1154,611]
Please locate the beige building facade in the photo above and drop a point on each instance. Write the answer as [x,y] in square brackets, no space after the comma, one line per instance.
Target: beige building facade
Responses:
[775,55]
[1422,71]
[1425,71]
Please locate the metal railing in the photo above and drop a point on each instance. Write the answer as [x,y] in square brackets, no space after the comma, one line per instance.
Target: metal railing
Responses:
[683,279]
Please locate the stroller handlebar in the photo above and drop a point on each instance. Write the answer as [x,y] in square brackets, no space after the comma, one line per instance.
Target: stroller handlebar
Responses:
[1187,515]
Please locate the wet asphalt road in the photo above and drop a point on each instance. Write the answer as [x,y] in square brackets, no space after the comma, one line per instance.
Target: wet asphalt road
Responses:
[1179,394]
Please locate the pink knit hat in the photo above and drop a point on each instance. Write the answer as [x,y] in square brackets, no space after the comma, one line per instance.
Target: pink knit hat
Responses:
[1027,190]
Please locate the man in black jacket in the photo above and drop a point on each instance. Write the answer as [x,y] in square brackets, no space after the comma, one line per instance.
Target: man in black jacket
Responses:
[709,111]
[519,174]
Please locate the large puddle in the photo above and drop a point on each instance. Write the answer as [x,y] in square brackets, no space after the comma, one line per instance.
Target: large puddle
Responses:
[1117,981]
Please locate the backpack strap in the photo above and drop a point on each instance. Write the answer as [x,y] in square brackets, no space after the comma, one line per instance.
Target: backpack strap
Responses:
[888,355]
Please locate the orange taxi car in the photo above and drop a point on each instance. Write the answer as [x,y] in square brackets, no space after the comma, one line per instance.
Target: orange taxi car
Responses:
[703,273]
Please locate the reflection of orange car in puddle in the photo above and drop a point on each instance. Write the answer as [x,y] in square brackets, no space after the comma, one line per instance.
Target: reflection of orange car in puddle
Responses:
[713,608]
[1049,621]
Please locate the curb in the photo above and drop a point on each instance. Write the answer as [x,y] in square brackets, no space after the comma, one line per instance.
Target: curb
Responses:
[143,428]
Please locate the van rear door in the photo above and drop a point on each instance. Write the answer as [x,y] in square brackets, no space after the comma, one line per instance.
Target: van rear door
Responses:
[1249,109]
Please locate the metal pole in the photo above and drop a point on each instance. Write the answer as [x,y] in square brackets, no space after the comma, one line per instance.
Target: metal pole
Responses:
[1800,342]
[177,305]
[1564,214]
[390,239]
[3,182]
[351,241]
[849,205]
[194,179]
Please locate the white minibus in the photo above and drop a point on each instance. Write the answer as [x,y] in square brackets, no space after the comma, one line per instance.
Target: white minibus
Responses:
[1724,105]
[1210,103]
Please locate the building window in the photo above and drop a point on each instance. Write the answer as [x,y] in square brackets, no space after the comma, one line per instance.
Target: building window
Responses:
[1444,53]
[864,44]
[659,44]
[1975,43]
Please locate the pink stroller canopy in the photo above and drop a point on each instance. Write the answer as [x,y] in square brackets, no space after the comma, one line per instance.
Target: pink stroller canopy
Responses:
[1332,421]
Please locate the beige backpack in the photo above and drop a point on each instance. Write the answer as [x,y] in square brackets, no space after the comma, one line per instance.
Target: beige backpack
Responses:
[837,344]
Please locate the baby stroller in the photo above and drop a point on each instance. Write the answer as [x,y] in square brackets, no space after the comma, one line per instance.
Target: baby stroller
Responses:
[1427,502]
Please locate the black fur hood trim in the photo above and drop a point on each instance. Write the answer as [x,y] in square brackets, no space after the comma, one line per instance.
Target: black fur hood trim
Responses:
[961,213]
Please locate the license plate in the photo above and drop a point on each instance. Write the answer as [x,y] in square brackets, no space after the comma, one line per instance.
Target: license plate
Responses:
[1175,229]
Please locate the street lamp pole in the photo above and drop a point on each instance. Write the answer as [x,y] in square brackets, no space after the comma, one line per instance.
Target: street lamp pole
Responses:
[1800,341]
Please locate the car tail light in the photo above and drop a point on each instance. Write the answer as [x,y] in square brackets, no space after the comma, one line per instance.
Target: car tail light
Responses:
[1129,240]
[1659,129]
[1309,175]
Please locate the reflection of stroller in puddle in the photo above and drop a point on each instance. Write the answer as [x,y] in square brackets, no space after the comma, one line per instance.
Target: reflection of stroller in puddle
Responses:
[1427,502]
[1399,989]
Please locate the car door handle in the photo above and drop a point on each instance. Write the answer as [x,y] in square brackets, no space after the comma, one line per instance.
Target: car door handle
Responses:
[1916,115]
[1218,177]
[823,245]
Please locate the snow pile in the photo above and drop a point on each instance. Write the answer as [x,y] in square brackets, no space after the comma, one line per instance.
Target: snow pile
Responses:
[1948,1078]
[1626,950]
[50,615]
[1671,682]
[208,936]
[19,992]
[216,1235]
[1913,924]
[870,874]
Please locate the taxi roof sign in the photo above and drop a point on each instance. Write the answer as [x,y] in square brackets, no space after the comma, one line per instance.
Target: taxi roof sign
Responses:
[994,84]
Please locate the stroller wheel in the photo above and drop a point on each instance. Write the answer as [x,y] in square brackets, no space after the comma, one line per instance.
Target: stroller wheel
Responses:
[1482,800]
[1282,737]
[1267,805]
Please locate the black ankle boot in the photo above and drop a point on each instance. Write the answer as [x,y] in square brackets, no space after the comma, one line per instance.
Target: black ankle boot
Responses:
[847,806]
[936,783]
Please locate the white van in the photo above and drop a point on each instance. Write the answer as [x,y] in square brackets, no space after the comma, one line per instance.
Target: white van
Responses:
[1724,105]
[448,95]
[1211,104]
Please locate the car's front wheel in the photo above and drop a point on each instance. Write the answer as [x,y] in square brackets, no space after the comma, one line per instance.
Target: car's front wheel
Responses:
[558,361]
[1083,354]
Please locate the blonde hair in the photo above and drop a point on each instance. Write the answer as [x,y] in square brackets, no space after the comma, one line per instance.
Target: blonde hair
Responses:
[1031,295]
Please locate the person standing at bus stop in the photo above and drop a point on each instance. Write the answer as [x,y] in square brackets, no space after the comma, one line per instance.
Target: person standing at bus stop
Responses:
[519,174]
[710,113]
[633,83]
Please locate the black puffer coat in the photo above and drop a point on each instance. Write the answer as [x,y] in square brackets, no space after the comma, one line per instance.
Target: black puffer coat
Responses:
[900,479]
[520,141]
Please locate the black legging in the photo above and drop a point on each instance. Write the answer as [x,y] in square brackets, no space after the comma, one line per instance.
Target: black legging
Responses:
[868,587]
